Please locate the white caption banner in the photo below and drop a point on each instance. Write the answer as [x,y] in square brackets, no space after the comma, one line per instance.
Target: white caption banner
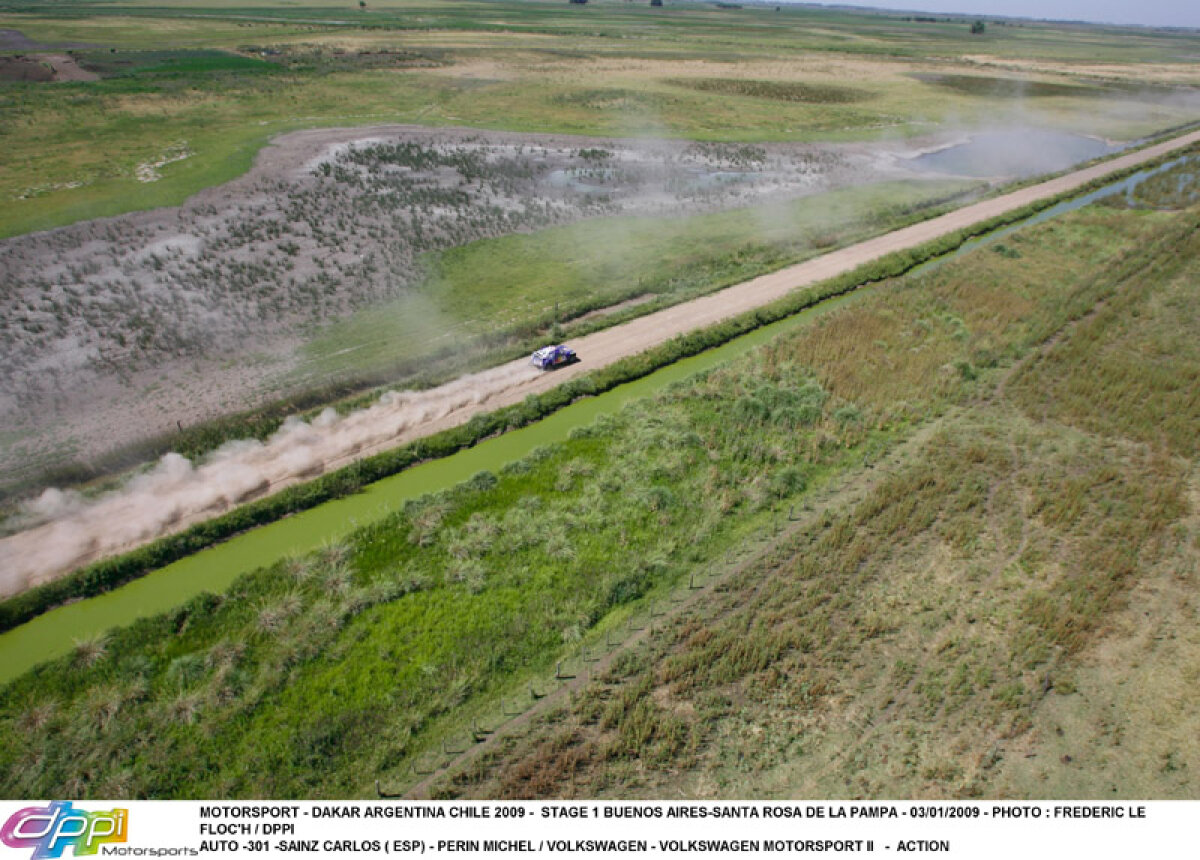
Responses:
[977,830]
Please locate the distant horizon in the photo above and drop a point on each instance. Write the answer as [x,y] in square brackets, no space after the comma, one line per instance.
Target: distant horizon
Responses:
[1149,13]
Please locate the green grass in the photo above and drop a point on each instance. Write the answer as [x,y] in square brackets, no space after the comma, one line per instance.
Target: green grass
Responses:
[925,637]
[151,66]
[1011,88]
[147,24]
[223,128]
[1131,371]
[886,650]
[498,575]
[775,90]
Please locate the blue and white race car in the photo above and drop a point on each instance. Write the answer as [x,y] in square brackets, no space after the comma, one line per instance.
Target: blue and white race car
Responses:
[549,357]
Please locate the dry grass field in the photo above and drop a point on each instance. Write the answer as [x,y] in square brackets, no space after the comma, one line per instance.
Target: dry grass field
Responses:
[1000,607]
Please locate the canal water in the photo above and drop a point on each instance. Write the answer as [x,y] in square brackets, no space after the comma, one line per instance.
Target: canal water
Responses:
[214,569]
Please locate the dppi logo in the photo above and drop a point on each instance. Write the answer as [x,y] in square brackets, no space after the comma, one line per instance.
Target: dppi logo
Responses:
[50,829]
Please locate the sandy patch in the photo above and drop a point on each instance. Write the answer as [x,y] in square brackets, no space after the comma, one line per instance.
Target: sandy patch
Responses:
[44,68]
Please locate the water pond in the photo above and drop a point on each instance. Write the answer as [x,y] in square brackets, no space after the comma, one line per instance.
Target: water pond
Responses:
[1017,152]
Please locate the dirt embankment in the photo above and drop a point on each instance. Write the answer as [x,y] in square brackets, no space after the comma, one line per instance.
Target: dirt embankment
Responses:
[37,62]
[178,494]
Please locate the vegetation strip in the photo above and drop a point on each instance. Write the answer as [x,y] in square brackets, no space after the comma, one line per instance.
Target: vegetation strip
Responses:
[697,589]
[110,573]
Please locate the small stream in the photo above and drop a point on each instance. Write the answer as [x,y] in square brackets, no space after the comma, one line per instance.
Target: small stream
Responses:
[214,569]
[1122,186]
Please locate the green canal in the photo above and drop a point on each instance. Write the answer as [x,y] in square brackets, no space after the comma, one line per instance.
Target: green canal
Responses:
[214,569]
[54,633]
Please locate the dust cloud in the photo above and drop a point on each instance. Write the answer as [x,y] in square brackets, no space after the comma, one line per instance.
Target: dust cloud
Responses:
[67,531]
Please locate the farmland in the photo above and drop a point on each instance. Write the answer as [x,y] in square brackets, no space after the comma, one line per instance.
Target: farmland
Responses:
[1011,575]
[692,72]
[938,540]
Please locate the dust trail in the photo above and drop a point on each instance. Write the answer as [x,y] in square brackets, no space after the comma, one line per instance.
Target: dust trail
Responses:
[177,492]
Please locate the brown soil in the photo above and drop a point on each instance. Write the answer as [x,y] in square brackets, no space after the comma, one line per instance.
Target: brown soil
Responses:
[27,69]
[43,68]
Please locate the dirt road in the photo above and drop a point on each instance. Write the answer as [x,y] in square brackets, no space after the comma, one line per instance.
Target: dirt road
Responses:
[177,494]
[605,347]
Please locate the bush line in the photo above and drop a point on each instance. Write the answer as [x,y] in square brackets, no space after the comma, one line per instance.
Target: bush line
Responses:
[111,573]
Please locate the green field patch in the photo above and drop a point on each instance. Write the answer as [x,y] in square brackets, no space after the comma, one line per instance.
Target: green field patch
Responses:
[612,99]
[1131,370]
[985,86]
[571,70]
[782,91]
[316,58]
[168,64]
